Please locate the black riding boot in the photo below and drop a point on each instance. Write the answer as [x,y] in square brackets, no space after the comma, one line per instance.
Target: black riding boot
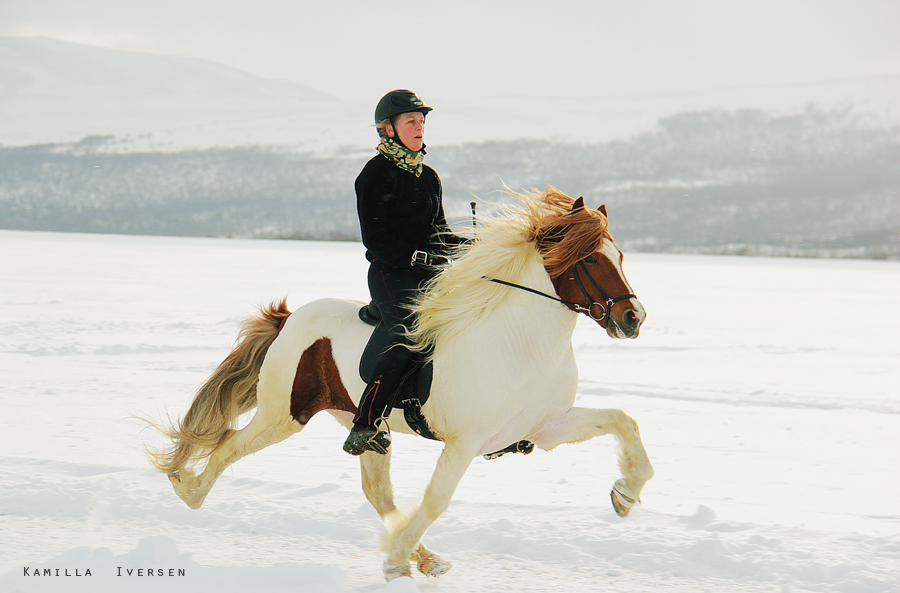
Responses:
[368,432]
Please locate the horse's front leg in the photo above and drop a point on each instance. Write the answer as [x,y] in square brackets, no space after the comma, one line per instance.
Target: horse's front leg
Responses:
[403,538]
[581,424]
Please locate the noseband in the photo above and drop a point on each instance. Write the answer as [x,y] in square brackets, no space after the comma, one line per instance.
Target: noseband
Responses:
[607,302]
[589,310]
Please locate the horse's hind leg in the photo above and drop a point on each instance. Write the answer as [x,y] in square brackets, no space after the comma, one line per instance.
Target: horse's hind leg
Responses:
[261,432]
[581,424]
[288,395]
[376,483]
[404,535]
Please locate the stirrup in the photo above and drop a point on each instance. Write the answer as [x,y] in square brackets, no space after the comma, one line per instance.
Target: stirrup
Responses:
[524,447]
[381,440]
[368,438]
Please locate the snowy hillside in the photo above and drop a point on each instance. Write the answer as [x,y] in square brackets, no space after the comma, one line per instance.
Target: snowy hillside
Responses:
[96,140]
[821,184]
[766,395]
[55,91]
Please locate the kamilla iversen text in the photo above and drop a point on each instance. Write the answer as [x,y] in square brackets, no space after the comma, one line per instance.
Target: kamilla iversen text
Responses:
[86,572]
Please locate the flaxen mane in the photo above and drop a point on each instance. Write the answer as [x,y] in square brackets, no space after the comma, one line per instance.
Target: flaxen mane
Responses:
[541,228]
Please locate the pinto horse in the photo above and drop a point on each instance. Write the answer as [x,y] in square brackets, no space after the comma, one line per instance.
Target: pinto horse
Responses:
[497,324]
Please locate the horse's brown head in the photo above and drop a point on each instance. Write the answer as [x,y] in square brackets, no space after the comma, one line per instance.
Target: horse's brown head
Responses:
[585,266]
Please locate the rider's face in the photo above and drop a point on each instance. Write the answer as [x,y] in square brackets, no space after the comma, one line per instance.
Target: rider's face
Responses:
[410,128]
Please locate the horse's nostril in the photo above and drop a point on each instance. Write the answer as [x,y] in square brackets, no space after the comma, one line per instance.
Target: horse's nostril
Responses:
[631,318]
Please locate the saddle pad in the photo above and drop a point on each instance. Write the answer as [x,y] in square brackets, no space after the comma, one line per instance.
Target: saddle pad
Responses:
[379,341]
[413,388]
[416,380]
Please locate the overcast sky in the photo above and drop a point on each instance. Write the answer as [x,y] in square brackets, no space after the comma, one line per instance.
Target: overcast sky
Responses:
[461,49]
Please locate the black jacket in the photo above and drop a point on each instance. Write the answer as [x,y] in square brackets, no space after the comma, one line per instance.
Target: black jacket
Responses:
[400,213]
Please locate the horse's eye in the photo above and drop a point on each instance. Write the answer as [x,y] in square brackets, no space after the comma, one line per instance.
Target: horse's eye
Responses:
[590,260]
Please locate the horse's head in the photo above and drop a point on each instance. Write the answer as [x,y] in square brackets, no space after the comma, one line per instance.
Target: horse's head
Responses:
[585,266]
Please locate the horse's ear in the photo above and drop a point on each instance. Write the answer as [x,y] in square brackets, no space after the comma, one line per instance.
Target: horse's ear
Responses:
[602,210]
[579,204]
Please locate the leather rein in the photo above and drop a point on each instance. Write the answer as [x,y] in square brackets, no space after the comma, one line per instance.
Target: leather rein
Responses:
[589,310]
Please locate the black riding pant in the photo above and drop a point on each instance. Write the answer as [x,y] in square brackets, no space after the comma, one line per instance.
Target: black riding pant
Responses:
[393,291]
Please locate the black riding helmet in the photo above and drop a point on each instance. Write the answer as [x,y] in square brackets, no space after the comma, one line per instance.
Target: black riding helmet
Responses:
[397,102]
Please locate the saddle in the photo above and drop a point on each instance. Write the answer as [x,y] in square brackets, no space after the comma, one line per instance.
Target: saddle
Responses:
[414,386]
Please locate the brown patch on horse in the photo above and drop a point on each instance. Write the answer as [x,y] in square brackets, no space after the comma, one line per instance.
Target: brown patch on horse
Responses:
[317,384]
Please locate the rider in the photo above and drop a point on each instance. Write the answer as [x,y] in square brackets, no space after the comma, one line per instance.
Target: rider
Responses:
[401,215]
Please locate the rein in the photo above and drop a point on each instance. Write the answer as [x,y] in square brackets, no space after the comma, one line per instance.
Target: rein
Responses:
[607,301]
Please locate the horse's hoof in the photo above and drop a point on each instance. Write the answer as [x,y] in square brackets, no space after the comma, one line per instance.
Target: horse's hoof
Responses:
[621,510]
[396,571]
[622,502]
[433,566]
[185,485]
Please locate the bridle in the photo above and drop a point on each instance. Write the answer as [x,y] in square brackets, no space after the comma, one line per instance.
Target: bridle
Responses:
[607,302]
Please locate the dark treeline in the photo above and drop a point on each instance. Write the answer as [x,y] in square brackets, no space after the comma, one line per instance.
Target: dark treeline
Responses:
[809,184]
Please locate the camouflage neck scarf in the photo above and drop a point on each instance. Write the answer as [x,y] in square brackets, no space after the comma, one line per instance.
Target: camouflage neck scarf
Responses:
[401,156]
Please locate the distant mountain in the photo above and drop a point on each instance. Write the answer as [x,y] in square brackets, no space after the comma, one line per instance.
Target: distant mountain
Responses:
[95,140]
[58,92]
[52,91]
[815,184]
[45,69]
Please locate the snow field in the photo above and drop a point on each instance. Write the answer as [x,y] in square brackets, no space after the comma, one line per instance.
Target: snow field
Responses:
[766,392]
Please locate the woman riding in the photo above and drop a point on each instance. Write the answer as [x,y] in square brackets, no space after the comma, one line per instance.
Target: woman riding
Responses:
[405,232]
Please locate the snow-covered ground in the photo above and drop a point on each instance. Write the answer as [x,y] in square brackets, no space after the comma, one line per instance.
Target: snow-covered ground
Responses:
[766,391]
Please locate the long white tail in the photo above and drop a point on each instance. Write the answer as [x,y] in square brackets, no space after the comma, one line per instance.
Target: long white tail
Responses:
[229,392]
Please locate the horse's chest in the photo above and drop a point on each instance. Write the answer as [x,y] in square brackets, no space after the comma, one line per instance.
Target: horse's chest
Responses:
[538,393]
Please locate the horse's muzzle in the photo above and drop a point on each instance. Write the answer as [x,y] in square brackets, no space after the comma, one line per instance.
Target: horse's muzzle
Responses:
[628,324]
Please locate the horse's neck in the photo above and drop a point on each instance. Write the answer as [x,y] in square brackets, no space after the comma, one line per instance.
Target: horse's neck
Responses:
[531,322]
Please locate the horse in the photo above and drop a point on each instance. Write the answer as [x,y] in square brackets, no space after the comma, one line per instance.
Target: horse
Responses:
[496,323]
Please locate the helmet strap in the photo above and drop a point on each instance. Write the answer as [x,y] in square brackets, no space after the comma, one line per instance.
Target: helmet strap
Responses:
[396,136]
